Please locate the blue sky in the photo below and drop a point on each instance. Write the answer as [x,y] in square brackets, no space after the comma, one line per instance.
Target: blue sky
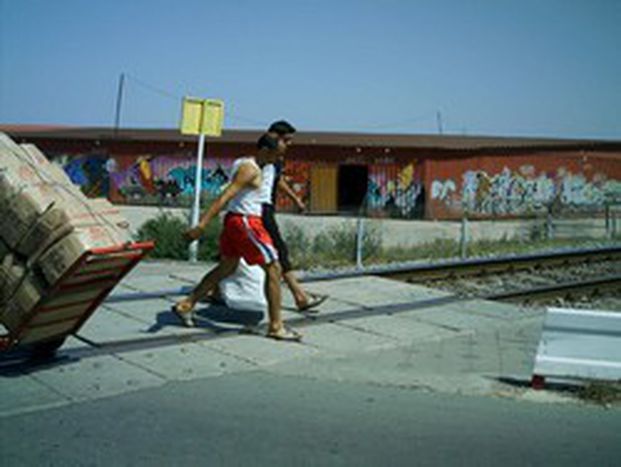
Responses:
[548,68]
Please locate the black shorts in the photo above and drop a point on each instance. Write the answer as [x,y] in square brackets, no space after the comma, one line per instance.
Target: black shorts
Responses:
[269,222]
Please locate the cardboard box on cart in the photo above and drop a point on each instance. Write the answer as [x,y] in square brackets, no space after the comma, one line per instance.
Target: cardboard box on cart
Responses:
[63,254]
[46,224]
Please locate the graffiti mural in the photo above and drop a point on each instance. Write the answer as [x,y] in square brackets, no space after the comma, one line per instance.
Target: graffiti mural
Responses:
[395,190]
[167,179]
[523,191]
[145,179]
[297,175]
[89,172]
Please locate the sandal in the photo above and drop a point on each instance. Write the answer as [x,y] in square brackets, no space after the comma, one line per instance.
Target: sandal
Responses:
[186,316]
[285,334]
[314,300]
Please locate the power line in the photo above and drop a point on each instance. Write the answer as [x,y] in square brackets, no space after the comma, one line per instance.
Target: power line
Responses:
[177,98]
[233,115]
[154,89]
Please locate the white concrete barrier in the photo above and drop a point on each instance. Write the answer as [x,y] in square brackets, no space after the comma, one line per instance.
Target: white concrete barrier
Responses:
[579,344]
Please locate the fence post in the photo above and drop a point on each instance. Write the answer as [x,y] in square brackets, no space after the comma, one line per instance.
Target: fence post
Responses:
[360,232]
[463,240]
[359,241]
[549,223]
[607,219]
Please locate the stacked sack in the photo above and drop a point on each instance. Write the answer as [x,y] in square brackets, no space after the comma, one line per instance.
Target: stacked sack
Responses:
[46,225]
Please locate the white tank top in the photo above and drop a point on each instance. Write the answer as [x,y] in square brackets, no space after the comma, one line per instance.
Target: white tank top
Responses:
[248,200]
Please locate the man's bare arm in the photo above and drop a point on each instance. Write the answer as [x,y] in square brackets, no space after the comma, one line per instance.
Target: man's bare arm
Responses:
[284,186]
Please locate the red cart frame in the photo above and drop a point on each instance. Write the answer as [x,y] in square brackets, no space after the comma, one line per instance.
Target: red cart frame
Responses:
[65,307]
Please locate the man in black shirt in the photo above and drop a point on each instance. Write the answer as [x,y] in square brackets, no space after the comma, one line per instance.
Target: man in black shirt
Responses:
[283,132]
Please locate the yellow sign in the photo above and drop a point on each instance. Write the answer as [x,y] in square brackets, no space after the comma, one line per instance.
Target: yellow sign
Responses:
[213,115]
[202,116]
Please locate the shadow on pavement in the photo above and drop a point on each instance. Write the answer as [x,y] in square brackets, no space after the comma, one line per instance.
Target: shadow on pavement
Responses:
[212,317]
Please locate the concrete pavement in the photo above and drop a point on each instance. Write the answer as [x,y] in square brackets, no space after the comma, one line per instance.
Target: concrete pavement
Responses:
[408,335]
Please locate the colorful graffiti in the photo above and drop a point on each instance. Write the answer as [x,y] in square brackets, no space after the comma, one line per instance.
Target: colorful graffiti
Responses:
[523,191]
[168,178]
[89,171]
[145,179]
[395,190]
[296,174]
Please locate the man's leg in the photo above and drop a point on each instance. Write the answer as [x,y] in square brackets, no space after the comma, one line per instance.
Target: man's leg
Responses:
[299,295]
[272,294]
[302,300]
[225,268]
[276,329]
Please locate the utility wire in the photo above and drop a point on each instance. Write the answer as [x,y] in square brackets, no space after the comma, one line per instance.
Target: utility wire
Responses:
[241,118]
[178,98]
[154,89]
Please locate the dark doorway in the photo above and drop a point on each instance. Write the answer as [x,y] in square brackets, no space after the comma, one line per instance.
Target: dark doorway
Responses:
[352,186]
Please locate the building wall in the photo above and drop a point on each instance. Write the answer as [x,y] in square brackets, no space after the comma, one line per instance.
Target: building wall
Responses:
[402,183]
[147,175]
[497,185]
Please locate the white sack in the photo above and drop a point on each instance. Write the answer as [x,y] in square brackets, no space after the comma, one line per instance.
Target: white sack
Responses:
[244,289]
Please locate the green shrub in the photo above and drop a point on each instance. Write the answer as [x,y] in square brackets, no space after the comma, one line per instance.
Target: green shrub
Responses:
[167,232]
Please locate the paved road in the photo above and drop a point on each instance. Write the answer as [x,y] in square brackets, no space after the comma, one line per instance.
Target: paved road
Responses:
[262,418]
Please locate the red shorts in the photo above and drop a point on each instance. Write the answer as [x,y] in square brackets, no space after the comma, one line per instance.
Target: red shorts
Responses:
[245,237]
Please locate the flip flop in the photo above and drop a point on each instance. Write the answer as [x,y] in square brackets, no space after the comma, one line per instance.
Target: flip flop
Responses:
[314,300]
[185,316]
[285,334]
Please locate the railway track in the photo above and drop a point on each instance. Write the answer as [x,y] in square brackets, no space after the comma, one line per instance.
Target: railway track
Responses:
[509,264]
[534,265]
[567,291]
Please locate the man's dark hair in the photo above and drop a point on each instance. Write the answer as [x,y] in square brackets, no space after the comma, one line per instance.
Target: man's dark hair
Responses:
[281,127]
[267,142]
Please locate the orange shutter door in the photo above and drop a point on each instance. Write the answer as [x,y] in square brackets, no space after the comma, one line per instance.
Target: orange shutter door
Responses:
[323,188]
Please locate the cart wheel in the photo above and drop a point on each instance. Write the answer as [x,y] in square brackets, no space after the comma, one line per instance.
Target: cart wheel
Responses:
[47,349]
[4,343]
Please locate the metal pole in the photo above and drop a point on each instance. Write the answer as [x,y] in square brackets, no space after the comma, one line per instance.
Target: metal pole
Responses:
[549,225]
[463,241]
[607,217]
[360,230]
[119,99]
[359,238]
[197,195]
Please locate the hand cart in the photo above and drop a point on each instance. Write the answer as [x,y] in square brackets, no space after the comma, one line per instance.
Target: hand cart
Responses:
[68,303]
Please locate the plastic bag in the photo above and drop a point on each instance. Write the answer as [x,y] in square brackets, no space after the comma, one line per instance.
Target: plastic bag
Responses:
[245,288]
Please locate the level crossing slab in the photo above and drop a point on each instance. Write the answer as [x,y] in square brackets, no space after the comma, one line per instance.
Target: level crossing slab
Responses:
[409,334]
[108,325]
[187,361]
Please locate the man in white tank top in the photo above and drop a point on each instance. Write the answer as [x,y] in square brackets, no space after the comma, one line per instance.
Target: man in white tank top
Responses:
[243,236]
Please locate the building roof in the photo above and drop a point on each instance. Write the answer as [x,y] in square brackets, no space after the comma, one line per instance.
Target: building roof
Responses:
[441,142]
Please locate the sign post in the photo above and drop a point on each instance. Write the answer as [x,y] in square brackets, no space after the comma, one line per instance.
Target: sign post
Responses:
[202,117]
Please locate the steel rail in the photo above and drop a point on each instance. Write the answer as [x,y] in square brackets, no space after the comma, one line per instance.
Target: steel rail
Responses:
[567,290]
[500,264]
